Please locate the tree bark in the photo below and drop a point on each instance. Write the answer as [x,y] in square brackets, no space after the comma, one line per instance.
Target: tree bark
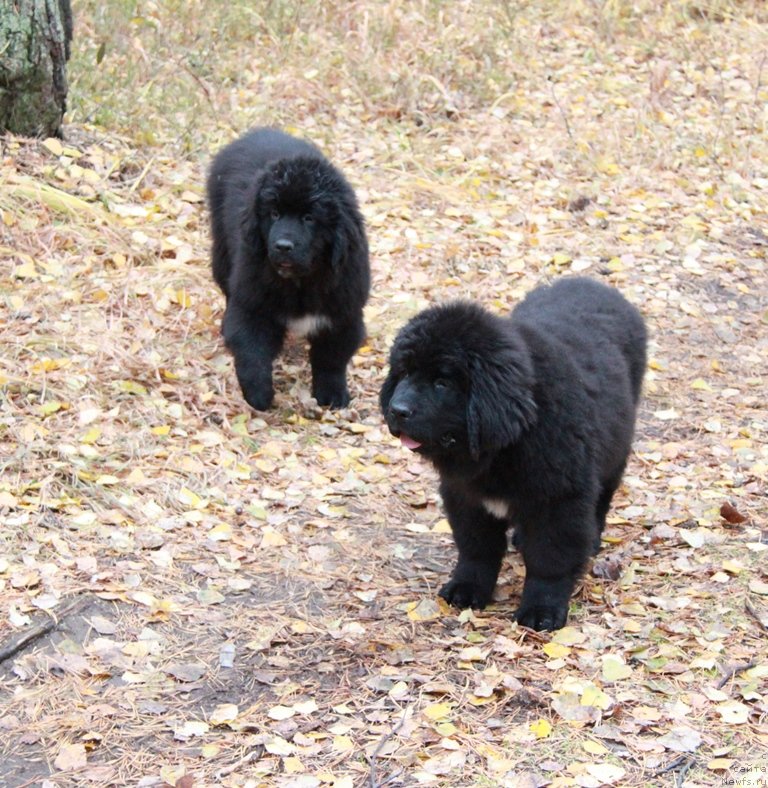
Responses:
[35,36]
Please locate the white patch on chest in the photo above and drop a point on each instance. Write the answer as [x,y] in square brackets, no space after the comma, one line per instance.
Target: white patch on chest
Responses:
[496,507]
[307,325]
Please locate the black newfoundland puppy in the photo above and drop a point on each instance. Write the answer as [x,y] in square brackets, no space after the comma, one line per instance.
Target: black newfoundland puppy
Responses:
[290,253]
[529,421]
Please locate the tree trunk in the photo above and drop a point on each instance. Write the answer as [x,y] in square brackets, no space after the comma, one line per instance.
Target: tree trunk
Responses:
[34,48]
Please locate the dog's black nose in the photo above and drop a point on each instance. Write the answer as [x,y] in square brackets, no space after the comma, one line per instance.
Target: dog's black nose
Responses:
[400,409]
[284,245]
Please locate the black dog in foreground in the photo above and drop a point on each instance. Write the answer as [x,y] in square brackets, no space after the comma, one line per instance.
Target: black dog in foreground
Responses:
[289,253]
[529,422]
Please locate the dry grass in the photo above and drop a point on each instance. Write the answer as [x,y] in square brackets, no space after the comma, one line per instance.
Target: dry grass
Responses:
[494,145]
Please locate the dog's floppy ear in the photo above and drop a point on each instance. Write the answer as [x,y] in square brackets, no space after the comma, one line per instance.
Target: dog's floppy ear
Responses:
[500,406]
[387,391]
[255,243]
[348,235]
[339,245]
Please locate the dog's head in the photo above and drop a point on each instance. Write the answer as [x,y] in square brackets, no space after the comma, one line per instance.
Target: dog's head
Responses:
[303,217]
[459,385]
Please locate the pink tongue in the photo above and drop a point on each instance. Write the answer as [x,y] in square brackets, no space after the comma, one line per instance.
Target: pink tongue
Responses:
[409,443]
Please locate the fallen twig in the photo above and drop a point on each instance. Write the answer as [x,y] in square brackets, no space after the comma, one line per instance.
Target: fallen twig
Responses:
[255,753]
[680,776]
[372,780]
[684,761]
[18,643]
[752,612]
[733,671]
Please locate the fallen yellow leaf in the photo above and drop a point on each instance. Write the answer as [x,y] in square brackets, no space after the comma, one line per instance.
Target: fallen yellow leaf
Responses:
[555,650]
[541,728]
[272,538]
[437,711]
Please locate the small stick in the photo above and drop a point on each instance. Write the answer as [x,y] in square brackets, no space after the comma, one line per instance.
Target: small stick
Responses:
[372,781]
[257,752]
[21,641]
[680,776]
[733,671]
[752,612]
[670,767]
[562,111]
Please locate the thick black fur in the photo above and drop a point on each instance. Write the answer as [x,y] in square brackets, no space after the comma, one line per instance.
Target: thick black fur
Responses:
[529,421]
[288,243]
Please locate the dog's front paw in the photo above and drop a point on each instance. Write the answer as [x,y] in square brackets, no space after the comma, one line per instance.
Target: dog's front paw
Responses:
[544,604]
[258,396]
[330,393]
[542,617]
[464,594]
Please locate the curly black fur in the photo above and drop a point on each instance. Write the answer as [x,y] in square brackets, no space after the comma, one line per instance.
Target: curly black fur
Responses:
[289,252]
[529,422]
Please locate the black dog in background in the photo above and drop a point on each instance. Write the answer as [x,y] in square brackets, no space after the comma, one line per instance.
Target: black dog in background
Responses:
[289,253]
[529,422]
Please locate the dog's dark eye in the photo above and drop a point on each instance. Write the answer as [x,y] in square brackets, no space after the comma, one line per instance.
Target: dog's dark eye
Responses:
[274,213]
[441,383]
[308,218]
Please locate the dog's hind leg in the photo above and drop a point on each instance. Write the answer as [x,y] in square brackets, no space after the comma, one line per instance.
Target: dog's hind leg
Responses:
[604,504]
